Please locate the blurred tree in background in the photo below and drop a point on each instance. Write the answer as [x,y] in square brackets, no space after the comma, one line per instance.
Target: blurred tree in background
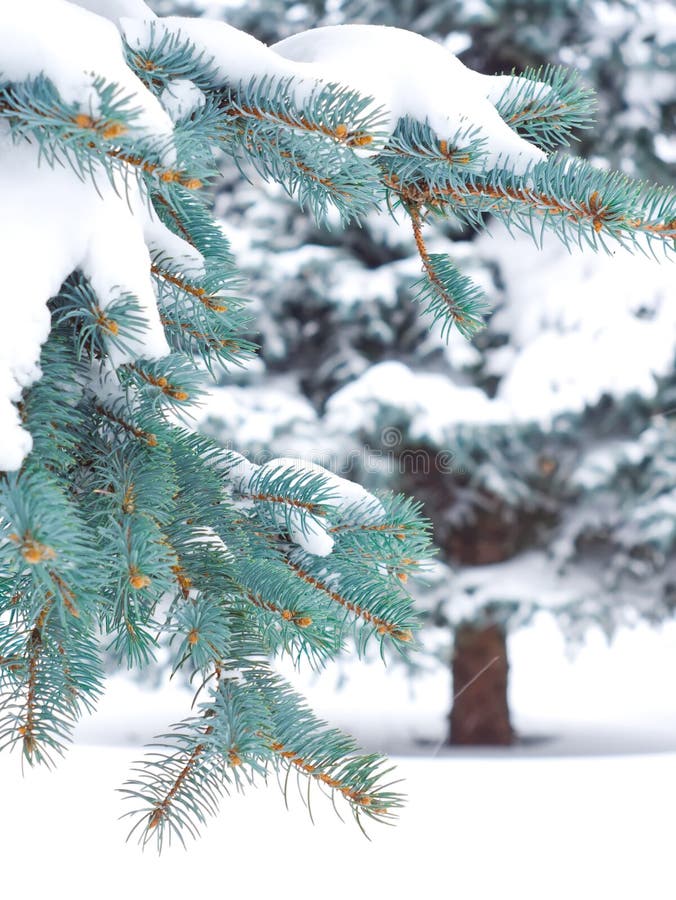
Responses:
[544,451]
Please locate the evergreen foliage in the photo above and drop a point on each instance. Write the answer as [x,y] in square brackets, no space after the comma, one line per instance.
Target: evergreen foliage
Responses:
[126,531]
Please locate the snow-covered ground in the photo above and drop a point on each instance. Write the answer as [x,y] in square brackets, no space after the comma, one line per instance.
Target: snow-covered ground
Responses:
[587,813]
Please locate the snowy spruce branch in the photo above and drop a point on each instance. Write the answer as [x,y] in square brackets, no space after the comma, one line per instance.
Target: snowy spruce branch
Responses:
[121,531]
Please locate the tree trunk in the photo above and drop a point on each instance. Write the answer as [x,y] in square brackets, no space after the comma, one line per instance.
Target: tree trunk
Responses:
[489,532]
[480,714]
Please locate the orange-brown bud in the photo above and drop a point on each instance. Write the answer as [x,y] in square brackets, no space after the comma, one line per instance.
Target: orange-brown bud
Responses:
[403,634]
[234,758]
[34,552]
[82,120]
[113,130]
[138,580]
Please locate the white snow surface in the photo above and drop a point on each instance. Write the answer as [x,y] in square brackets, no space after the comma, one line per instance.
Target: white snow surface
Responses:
[181,97]
[115,9]
[74,226]
[587,814]
[410,75]
[531,581]
[71,46]
[51,214]
[256,415]
[588,325]
[237,56]
[432,403]
[474,827]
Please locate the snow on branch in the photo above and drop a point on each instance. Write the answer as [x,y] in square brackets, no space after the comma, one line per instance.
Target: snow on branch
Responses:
[301,498]
[109,117]
[411,76]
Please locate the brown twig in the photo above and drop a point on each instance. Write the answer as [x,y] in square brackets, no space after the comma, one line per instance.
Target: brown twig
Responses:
[340,133]
[289,615]
[382,625]
[159,381]
[208,300]
[27,730]
[150,439]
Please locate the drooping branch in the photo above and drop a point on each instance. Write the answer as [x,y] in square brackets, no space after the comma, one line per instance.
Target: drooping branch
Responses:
[35,642]
[561,192]
[163,806]
[359,798]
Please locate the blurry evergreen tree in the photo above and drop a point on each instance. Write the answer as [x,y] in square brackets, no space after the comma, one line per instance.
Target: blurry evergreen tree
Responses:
[559,493]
